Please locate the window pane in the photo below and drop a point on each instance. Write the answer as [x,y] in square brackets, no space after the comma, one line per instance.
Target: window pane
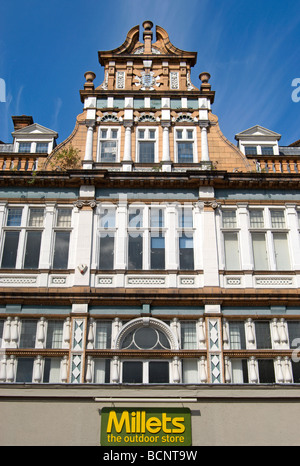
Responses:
[61,250]
[103,133]
[107,218]
[103,335]
[266,371]
[42,147]
[189,371]
[132,372]
[157,218]
[14,217]
[108,151]
[54,334]
[135,252]
[1,331]
[158,252]
[106,261]
[185,152]
[28,333]
[146,152]
[64,218]
[24,147]
[188,335]
[32,252]
[294,332]
[259,251]
[239,371]
[135,218]
[52,370]
[250,150]
[158,372]
[231,247]
[101,371]
[263,335]
[186,253]
[186,218]
[237,335]
[256,219]
[179,134]
[267,150]
[229,219]
[296,371]
[10,249]
[281,249]
[24,370]
[36,218]
[277,219]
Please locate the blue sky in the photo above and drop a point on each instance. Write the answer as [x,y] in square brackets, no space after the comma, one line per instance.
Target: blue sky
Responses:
[250,48]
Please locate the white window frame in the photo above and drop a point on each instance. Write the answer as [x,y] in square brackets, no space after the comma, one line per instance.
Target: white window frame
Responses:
[145,362]
[269,231]
[56,228]
[147,138]
[185,138]
[109,138]
[235,230]
[23,229]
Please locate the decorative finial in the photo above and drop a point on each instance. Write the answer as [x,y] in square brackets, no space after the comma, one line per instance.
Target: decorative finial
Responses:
[89,76]
[205,77]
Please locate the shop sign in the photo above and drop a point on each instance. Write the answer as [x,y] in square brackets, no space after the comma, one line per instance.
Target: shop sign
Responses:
[145,427]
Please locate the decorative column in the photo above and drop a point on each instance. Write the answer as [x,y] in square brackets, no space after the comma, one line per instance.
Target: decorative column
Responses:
[77,350]
[252,367]
[166,159]
[204,142]
[250,338]
[214,350]
[176,376]
[88,157]
[127,158]
[115,370]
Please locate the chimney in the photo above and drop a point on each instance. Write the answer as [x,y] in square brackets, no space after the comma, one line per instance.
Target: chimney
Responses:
[22,121]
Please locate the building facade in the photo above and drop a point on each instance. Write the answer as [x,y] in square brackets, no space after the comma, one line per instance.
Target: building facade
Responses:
[146,261]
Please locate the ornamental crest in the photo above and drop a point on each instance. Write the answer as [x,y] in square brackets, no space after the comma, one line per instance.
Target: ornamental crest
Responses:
[148,81]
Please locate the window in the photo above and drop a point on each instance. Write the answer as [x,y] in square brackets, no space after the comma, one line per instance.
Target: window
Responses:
[52,370]
[239,369]
[107,238]
[146,141]
[188,335]
[28,333]
[108,145]
[145,338]
[24,370]
[54,334]
[42,147]
[250,150]
[103,335]
[175,103]
[101,370]
[24,147]
[267,150]
[237,335]
[229,219]
[263,335]
[1,331]
[145,372]
[186,243]
[266,370]
[190,371]
[135,239]
[62,234]
[260,254]
[231,248]
[157,259]
[22,241]
[270,245]
[294,333]
[157,239]
[185,145]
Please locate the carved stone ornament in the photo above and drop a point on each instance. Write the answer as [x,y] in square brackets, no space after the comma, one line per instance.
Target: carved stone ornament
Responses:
[85,203]
[147,81]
